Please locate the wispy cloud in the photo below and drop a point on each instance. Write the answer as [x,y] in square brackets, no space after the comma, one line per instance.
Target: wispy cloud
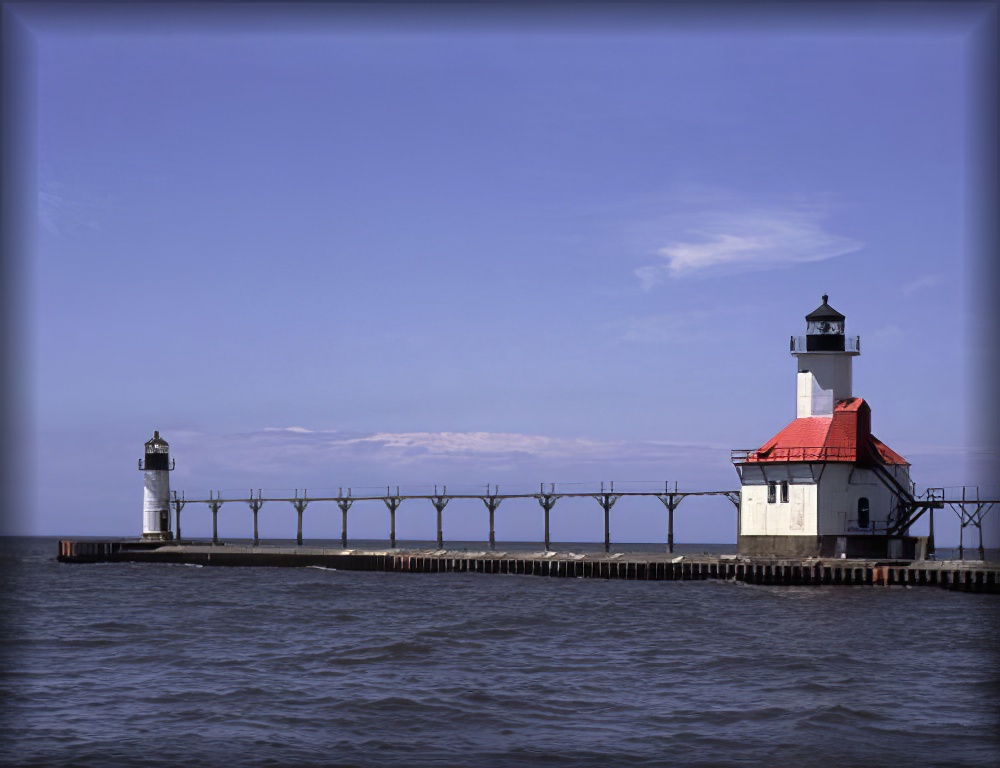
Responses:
[297,454]
[924,281]
[63,210]
[737,242]
[472,446]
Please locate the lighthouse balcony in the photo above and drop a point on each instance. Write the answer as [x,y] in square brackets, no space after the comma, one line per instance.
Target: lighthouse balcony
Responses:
[794,454]
[826,343]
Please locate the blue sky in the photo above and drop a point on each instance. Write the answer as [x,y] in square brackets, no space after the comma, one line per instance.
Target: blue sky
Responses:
[333,248]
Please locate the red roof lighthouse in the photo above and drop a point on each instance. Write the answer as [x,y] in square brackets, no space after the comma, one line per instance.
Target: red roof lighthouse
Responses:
[824,485]
[846,437]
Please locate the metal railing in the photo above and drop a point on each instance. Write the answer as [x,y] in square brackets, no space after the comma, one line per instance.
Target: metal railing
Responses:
[797,453]
[547,494]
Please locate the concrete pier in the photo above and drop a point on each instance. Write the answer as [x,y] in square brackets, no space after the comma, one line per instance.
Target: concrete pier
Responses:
[968,576]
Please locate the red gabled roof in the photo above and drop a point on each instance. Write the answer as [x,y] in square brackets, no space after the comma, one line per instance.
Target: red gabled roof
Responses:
[845,436]
[885,453]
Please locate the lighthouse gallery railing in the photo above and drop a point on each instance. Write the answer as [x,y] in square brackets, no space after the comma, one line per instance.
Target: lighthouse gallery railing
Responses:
[795,453]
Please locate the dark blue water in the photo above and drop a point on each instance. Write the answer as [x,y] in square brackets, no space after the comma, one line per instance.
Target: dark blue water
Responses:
[166,665]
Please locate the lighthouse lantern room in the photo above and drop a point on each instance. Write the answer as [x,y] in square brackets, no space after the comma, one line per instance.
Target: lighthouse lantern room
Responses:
[824,485]
[156,467]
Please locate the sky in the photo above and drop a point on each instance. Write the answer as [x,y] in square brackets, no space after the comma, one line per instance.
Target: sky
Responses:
[321,247]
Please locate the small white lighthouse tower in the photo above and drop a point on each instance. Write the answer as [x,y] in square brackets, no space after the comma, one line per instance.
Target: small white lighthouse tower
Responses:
[156,468]
[825,485]
[825,356]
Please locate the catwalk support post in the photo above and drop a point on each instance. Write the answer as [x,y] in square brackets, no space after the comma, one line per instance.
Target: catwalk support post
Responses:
[213,504]
[392,504]
[344,502]
[255,505]
[671,500]
[300,507]
[492,501]
[547,501]
[178,506]
[440,502]
[607,501]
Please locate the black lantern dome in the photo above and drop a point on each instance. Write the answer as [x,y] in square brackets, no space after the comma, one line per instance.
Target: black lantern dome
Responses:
[157,453]
[824,329]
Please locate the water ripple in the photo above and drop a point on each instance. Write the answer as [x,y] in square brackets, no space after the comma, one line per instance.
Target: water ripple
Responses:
[164,665]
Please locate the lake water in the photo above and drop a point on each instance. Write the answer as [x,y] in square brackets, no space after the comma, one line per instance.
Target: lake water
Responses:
[161,665]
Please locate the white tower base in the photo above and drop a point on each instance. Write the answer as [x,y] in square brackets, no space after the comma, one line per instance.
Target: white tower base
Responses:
[156,505]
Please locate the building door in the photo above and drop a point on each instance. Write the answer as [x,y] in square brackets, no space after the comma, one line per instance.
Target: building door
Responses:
[798,512]
[864,516]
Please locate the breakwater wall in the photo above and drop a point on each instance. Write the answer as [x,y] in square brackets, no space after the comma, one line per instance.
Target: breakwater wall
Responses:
[968,576]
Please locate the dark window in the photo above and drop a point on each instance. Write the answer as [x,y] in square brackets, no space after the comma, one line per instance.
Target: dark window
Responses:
[825,343]
[784,491]
[863,516]
[156,461]
[771,495]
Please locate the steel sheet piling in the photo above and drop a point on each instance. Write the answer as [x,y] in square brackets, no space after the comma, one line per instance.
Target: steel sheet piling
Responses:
[952,575]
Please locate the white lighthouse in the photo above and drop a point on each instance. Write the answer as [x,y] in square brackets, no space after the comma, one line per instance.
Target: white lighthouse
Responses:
[825,357]
[824,485]
[156,469]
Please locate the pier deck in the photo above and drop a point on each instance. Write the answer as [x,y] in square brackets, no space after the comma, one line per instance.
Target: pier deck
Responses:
[972,576]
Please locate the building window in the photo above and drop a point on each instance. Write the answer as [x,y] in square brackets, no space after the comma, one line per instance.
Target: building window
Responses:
[784,491]
[771,493]
[863,515]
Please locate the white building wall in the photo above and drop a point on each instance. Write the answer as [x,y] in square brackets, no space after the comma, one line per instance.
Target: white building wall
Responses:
[823,379]
[803,395]
[827,507]
[796,517]
[843,485]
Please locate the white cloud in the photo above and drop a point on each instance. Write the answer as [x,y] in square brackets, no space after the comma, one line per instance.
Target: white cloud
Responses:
[728,242]
[296,450]
[473,444]
[63,210]
[650,277]
[925,281]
